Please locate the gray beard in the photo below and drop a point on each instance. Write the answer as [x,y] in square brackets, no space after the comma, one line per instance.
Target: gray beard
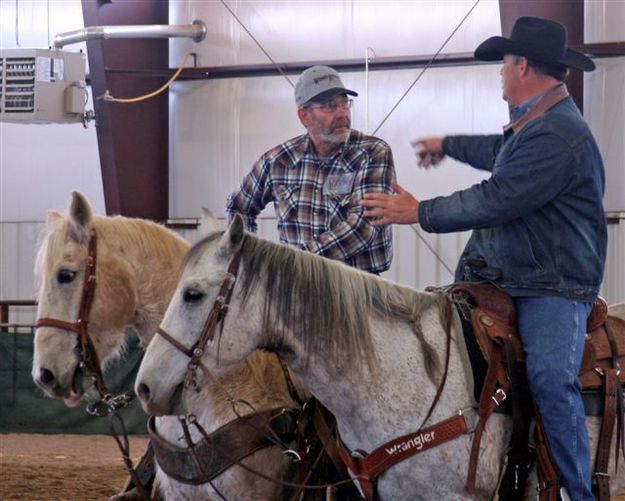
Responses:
[336,138]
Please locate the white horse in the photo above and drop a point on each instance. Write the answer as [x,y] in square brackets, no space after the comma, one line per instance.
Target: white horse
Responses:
[136,271]
[370,350]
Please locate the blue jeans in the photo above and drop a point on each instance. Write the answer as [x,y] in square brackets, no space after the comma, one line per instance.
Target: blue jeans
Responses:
[552,330]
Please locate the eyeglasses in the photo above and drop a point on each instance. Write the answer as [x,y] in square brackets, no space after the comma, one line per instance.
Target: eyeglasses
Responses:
[332,106]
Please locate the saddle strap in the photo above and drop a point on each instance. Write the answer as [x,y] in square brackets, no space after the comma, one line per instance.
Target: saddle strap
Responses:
[548,484]
[489,399]
[620,411]
[611,391]
[519,457]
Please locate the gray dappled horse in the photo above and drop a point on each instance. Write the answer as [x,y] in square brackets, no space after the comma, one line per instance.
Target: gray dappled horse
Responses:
[370,350]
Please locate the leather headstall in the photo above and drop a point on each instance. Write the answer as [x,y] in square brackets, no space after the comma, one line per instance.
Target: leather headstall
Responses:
[88,357]
[216,315]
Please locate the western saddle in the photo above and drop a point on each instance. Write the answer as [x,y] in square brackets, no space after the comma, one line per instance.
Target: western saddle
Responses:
[493,320]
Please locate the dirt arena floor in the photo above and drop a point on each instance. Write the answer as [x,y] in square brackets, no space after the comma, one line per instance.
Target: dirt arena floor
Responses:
[62,467]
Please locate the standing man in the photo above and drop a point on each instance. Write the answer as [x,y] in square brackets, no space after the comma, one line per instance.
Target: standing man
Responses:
[316,180]
[539,229]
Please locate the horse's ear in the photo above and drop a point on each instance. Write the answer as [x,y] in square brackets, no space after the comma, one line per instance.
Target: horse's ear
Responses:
[80,215]
[233,237]
[209,223]
[52,217]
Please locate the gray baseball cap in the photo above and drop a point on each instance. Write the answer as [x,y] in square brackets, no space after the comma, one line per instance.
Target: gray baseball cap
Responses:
[319,84]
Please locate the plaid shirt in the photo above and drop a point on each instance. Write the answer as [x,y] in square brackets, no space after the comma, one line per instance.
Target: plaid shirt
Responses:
[316,199]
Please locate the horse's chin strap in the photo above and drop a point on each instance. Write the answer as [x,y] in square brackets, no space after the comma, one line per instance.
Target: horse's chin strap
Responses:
[88,357]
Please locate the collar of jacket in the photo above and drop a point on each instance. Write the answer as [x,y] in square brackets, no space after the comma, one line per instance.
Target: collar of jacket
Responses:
[550,99]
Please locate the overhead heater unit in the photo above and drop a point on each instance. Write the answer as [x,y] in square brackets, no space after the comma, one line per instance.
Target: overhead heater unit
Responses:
[42,86]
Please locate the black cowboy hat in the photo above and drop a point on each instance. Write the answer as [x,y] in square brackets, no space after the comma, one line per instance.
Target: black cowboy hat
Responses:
[541,40]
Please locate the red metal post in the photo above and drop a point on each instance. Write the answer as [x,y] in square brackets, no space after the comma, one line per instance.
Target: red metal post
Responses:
[133,139]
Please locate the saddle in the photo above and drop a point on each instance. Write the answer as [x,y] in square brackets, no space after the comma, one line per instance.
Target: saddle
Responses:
[493,319]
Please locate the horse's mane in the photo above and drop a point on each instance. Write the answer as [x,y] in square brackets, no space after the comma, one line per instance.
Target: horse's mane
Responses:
[326,304]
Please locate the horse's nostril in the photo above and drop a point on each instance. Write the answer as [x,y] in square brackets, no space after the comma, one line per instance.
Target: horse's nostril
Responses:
[46,378]
[143,392]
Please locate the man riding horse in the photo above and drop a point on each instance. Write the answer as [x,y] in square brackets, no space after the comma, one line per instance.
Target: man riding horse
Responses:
[539,229]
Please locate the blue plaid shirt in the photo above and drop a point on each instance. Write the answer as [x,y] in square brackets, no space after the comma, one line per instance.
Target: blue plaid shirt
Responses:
[316,199]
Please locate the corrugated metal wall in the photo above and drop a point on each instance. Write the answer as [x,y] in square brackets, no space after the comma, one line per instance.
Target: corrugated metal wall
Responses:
[218,128]
[414,263]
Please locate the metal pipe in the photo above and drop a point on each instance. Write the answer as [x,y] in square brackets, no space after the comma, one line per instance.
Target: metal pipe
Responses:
[196,31]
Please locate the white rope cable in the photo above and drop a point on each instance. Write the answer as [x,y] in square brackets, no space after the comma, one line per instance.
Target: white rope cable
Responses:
[426,66]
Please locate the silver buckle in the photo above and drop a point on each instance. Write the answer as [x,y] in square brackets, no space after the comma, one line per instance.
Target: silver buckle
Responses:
[293,455]
[499,396]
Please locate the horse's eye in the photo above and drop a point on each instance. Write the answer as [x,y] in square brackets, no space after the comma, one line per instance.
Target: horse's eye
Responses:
[65,276]
[192,296]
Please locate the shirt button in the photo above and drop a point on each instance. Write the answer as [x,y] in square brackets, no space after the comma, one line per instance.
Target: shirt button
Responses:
[314,236]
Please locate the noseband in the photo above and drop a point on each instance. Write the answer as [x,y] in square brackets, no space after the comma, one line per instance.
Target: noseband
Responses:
[216,315]
[88,358]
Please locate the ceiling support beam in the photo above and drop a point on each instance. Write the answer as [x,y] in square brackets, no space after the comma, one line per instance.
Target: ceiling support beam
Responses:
[133,139]
[458,59]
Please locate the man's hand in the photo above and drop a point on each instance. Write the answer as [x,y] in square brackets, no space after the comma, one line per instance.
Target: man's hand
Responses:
[401,208]
[429,151]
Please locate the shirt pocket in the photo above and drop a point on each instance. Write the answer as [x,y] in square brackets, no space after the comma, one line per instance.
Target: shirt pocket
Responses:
[286,201]
[338,207]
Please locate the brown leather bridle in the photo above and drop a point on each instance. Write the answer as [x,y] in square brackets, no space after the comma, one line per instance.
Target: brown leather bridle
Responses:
[215,317]
[89,363]
[88,358]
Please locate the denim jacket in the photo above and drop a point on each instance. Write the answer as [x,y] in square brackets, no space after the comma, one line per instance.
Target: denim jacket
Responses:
[538,222]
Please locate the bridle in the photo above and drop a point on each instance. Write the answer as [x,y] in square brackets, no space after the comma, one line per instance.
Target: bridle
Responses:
[215,317]
[88,360]
[89,363]
[214,442]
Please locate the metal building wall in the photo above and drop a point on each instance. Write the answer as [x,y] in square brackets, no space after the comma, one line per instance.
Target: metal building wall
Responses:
[218,128]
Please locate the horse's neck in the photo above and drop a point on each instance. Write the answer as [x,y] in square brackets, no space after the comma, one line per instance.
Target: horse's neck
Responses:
[392,400]
[156,274]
